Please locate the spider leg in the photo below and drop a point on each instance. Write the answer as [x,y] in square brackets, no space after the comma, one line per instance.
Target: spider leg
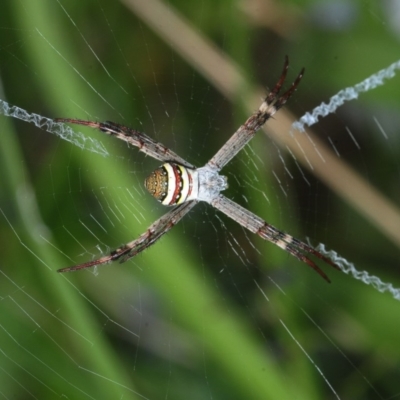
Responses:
[133,137]
[277,88]
[268,232]
[278,102]
[131,249]
[271,104]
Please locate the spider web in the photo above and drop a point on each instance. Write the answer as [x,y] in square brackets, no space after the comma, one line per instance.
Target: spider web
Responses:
[209,312]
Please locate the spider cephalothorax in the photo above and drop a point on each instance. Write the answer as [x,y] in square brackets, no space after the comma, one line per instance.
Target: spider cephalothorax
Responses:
[179,184]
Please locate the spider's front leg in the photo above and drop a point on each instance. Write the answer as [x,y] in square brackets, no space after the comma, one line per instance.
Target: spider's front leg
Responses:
[257,225]
[295,247]
[271,104]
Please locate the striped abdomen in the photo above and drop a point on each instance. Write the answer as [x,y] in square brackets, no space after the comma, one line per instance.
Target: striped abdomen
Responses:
[173,184]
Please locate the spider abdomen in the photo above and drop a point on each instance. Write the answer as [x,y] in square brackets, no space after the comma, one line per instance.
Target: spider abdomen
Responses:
[173,184]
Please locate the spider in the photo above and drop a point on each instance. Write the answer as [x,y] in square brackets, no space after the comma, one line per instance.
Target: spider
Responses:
[179,184]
